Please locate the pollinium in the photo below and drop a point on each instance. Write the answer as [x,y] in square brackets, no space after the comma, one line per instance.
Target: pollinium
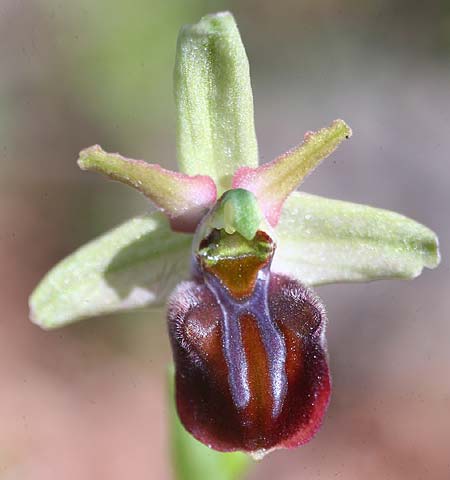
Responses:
[248,344]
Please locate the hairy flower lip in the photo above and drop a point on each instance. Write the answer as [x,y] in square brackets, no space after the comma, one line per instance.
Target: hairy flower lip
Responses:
[271,318]
[205,404]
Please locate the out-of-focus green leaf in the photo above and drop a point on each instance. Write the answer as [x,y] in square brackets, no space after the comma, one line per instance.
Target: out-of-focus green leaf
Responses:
[215,127]
[326,241]
[119,59]
[135,265]
[191,460]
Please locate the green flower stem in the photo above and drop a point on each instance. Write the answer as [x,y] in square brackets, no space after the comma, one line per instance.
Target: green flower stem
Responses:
[191,460]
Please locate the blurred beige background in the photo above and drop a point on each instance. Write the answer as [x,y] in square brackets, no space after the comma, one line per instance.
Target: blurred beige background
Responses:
[88,401]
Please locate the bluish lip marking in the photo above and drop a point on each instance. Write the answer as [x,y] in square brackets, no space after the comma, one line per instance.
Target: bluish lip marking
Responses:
[257,305]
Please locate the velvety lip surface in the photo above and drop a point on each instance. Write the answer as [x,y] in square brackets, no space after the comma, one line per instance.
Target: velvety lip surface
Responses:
[280,387]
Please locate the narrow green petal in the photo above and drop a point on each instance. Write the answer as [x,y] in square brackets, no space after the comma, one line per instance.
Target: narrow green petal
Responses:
[215,128]
[328,241]
[135,265]
[273,182]
[194,461]
[183,198]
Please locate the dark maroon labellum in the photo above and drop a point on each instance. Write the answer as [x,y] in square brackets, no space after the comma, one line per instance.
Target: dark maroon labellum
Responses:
[251,363]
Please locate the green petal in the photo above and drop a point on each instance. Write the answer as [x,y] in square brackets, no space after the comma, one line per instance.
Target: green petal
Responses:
[135,265]
[183,198]
[194,461]
[273,182]
[326,241]
[216,133]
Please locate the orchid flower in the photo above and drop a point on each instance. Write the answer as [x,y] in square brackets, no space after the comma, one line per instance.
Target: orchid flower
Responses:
[233,252]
